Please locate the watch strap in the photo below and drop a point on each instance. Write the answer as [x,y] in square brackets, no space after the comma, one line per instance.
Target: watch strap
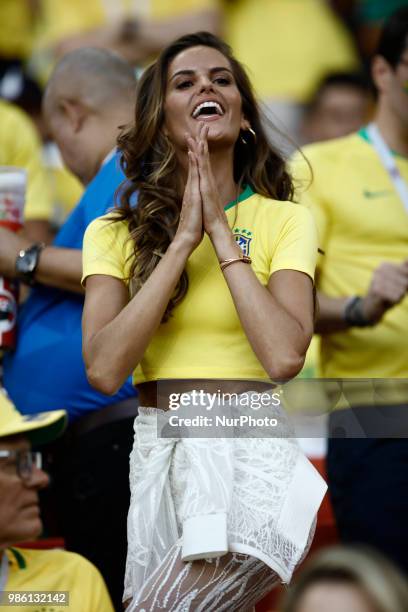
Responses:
[354,314]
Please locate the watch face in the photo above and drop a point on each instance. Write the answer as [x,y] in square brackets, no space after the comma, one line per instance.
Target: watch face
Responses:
[26,263]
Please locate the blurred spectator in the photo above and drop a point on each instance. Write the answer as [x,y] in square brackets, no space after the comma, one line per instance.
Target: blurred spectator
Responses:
[288,47]
[21,478]
[137,30]
[65,189]
[90,94]
[360,202]
[20,146]
[17,18]
[347,580]
[369,16]
[342,104]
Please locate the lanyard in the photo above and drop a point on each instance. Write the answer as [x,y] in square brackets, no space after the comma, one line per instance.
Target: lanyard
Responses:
[4,566]
[388,161]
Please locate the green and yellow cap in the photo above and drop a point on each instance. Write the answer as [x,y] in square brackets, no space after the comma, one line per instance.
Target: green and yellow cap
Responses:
[39,428]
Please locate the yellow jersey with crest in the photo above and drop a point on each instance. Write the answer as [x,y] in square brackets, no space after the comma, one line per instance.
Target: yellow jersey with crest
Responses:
[204,337]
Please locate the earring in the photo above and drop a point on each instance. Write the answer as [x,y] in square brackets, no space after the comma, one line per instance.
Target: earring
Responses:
[245,142]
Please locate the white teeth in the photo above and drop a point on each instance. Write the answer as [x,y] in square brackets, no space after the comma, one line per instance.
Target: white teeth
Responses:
[210,104]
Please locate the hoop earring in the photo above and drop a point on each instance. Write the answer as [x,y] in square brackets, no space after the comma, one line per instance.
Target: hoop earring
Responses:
[242,139]
[253,133]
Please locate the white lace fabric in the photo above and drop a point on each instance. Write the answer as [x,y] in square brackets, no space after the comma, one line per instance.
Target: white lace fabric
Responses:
[210,496]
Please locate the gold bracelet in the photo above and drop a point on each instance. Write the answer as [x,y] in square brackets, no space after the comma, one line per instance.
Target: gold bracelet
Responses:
[227,262]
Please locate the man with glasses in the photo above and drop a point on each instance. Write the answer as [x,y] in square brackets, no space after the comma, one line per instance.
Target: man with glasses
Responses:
[38,579]
[359,197]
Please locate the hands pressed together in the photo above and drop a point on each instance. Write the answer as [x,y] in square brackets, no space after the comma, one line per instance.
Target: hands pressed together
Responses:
[202,209]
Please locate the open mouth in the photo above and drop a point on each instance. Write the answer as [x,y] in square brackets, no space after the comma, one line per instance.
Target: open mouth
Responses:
[208,109]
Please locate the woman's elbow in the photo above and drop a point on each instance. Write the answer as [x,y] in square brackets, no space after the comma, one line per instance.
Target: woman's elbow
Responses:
[285,367]
[103,382]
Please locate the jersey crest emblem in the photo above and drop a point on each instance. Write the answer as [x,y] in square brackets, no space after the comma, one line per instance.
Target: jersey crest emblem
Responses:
[243,238]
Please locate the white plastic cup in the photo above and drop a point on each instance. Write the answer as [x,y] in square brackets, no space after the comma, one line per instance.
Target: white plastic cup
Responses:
[13,182]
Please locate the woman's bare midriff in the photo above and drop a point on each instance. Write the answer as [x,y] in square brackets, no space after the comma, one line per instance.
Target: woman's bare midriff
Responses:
[153,394]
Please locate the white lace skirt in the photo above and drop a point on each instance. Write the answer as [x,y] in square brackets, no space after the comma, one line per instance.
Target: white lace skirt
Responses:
[251,495]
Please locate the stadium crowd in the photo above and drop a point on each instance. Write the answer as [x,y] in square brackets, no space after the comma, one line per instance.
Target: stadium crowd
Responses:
[331,78]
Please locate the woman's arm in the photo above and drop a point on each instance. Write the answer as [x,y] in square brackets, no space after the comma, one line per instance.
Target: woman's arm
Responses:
[116,331]
[277,319]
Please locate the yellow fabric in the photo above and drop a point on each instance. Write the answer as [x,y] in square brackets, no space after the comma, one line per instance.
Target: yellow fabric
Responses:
[361,223]
[287,45]
[16,31]
[57,570]
[63,19]
[43,426]
[71,17]
[311,367]
[67,18]
[204,337]
[167,9]
[20,146]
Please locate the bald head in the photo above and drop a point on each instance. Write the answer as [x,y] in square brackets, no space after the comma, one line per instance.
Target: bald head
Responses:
[90,94]
[95,77]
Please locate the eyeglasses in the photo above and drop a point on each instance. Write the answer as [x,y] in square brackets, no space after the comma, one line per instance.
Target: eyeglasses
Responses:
[23,461]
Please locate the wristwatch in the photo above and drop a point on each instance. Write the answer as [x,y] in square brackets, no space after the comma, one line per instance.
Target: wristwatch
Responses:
[27,262]
[354,315]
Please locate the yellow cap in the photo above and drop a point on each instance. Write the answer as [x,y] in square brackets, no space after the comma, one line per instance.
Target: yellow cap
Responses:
[40,427]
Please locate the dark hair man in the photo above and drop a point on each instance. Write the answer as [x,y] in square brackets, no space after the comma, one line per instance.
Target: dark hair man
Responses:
[359,195]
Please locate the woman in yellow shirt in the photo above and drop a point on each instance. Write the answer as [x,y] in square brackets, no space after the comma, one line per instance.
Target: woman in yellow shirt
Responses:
[206,285]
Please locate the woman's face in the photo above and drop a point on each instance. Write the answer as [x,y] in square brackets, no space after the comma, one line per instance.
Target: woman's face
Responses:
[201,87]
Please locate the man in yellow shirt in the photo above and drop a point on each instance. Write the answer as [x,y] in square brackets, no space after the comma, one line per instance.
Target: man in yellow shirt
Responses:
[137,30]
[20,146]
[359,196]
[16,34]
[49,579]
[288,46]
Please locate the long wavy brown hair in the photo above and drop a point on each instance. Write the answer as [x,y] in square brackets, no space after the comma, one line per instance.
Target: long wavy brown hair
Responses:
[150,164]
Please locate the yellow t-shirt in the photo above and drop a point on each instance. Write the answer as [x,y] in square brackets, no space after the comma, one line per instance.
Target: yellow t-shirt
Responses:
[20,146]
[56,570]
[204,337]
[16,32]
[71,17]
[63,19]
[361,223]
[288,45]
